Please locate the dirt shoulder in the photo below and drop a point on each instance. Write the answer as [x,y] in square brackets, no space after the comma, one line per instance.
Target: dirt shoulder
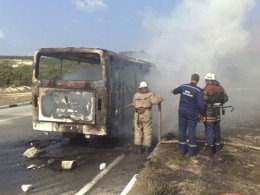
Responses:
[11,96]
[232,170]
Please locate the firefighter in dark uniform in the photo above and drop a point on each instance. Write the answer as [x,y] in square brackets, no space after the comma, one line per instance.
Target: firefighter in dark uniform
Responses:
[190,106]
[214,96]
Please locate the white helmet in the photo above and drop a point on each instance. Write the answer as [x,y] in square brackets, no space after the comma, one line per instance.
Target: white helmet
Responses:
[143,84]
[210,76]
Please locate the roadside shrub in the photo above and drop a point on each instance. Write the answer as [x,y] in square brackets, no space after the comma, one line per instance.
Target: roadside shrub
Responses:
[17,76]
[22,75]
[5,75]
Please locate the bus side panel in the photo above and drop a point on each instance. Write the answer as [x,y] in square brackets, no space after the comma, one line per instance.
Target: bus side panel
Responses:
[125,77]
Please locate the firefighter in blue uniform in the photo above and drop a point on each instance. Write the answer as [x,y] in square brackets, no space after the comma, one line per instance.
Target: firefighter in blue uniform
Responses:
[190,106]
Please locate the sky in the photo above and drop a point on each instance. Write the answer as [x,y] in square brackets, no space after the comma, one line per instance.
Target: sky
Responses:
[181,37]
[26,25]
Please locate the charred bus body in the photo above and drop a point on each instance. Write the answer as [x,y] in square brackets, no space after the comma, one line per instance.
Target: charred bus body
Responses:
[83,90]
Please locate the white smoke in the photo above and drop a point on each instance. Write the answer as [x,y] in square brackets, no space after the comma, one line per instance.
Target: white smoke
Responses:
[198,34]
[199,37]
[90,5]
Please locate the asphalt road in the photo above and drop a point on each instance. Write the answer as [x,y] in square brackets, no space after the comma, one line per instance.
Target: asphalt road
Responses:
[16,135]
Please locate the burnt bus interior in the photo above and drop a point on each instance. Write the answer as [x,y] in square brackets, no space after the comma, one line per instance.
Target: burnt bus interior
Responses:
[82,90]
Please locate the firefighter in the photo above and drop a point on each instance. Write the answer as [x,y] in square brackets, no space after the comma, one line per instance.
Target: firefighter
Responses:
[214,96]
[142,102]
[190,106]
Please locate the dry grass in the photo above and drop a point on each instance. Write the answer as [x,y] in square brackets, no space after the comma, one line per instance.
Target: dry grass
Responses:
[8,98]
[168,172]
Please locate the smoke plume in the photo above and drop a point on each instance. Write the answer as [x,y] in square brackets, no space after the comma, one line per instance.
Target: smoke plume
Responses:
[206,36]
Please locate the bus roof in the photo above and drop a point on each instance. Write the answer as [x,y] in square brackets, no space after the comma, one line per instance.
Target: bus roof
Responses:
[91,53]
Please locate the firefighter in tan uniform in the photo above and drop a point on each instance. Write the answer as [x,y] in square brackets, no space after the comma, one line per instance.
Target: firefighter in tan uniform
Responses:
[142,102]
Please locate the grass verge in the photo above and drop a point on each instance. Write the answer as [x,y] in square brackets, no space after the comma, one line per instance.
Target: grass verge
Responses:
[14,98]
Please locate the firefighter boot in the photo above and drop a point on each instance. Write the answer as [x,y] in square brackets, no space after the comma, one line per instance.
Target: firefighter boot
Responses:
[216,149]
[146,150]
[138,149]
[207,150]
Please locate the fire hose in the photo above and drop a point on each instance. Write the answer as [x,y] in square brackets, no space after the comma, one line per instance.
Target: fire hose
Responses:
[224,143]
[232,107]
[125,107]
[202,141]
[223,109]
[202,118]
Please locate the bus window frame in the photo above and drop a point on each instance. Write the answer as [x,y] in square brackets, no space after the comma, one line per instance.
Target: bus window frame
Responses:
[100,53]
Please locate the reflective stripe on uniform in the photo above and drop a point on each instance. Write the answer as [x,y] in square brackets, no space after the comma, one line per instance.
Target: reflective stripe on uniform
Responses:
[191,87]
[190,145]
[182,143]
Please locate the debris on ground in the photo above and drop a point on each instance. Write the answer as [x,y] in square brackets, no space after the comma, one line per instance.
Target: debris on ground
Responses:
[31,152]
[35,143]
[32,166]
[39,167]
[102,166]
[51,161]
[26,187]
[68,164]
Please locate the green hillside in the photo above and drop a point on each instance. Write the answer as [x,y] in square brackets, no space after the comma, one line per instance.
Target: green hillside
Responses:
[15,71]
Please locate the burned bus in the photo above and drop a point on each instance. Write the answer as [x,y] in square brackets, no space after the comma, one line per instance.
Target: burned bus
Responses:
[84,90]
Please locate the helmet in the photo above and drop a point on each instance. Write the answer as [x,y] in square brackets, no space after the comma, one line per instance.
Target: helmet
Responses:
[210,76]
[143,84]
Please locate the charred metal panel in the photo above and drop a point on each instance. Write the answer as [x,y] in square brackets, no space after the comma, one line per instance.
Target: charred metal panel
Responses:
[70,128]
[66,102]
[63,105]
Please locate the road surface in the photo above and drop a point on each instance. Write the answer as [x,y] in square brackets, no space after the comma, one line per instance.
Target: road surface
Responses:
[16,135]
